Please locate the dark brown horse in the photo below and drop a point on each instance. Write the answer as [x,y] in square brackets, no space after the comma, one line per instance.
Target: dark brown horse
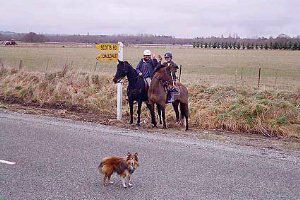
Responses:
[157,94]
[136,90]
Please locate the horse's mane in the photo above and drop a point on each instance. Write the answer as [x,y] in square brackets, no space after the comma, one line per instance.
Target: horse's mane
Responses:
[126,62]
[130,66]
[159,67]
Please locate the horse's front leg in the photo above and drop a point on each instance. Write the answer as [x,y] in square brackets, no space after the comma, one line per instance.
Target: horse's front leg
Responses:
[159,113]
[163,110]
[139,112]
[131,111]
[152,113]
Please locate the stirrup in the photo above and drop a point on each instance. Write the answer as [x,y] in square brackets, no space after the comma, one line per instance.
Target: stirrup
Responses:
[170,99]
[175,90]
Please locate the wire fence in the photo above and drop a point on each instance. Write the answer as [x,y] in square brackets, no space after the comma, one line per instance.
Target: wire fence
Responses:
[256,77]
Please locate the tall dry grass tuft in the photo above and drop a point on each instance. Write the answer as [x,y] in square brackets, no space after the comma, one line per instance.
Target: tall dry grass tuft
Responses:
[266,112]
[271,113]
[65,88]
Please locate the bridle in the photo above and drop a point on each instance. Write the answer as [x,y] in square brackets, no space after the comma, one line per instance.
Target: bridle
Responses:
[126,73]
[162,82]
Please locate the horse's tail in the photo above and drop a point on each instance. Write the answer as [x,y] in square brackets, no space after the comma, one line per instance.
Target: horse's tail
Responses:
[184,112]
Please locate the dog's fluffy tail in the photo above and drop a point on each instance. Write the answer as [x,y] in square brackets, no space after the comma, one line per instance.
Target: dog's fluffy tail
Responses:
[100,167]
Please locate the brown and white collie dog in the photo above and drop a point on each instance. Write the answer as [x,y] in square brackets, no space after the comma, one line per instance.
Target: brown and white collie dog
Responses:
[122,166]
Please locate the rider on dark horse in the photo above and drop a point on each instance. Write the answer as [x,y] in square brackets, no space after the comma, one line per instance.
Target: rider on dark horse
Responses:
[147,66]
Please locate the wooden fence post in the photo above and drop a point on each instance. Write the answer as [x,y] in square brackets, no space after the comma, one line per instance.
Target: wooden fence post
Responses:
[21,64]
[47,65]
[1,63]
[95,66]
[235,77]
[258,81]
[276,78]
[180,72]
[242,77]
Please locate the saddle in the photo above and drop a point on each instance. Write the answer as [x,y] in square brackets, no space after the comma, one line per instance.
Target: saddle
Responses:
[172,94]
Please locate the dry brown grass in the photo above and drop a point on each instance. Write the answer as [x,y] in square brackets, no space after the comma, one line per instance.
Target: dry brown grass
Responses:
[66,87]
[266,112]
[270,113]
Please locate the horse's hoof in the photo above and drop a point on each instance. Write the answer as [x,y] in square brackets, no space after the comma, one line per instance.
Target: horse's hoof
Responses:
[138,124]
[154,126]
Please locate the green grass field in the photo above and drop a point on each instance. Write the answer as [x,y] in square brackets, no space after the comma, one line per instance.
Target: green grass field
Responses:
[280,69]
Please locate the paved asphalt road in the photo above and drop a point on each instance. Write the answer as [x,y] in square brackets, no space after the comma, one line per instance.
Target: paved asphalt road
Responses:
[58,159]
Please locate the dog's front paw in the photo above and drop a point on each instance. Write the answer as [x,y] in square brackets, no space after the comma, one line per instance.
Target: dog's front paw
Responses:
[111,182]
[130,184]
[125,186]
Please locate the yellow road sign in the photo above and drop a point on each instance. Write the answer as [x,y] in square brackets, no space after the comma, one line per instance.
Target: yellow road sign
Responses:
[107,47]
[107,57]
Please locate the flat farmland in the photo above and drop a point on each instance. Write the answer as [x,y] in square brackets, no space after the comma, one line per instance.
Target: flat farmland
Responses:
[279,69]
[222,85]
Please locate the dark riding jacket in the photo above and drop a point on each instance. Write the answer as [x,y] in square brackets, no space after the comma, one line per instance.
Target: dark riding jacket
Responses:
[147,68]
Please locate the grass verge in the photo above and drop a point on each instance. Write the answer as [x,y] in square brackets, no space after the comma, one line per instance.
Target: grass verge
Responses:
[265,112]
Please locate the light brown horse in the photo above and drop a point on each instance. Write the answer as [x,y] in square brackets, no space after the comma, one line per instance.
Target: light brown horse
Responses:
[157,94]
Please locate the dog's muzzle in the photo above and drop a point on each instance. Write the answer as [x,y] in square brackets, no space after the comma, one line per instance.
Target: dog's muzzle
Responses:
[131,170]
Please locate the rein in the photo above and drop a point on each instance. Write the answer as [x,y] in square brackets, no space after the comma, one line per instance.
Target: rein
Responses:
[126,72]
[163,83]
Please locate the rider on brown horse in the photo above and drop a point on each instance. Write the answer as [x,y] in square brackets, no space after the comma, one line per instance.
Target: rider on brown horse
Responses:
[172,89]
[148,66]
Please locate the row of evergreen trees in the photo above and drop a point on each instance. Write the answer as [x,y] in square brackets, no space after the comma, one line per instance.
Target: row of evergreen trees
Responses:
[237,45]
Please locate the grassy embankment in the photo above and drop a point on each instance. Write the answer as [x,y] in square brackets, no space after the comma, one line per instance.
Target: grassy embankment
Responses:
[267,112]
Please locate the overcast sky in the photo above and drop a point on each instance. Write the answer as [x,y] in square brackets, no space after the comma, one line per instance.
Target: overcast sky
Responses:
[179,18]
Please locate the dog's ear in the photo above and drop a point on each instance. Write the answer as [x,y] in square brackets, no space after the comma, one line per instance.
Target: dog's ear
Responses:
[129,155]
[136,157]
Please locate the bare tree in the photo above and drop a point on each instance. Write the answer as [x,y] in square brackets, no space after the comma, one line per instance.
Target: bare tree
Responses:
[33,37]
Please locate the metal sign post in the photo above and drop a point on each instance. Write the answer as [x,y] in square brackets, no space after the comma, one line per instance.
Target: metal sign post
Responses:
[119,85]
[113,53]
